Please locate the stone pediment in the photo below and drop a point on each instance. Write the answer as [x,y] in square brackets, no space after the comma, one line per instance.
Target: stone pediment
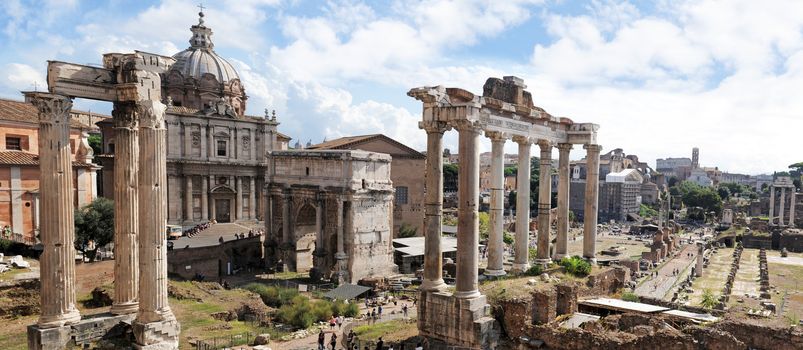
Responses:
[223,189]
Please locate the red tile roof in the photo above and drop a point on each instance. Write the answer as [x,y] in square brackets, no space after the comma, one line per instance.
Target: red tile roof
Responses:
[20,111]
[25,158]
[351,142]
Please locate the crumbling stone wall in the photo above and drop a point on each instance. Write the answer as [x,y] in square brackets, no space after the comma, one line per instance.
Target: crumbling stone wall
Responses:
[515,315]
[792,240]
[607,281]
[544,306]
[764,337]
[566,299]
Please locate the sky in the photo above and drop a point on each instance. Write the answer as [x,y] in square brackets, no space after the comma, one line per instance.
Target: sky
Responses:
[660,77]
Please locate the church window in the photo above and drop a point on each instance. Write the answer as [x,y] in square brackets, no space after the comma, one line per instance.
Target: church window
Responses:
[401,195]
[13,143]
[221,148]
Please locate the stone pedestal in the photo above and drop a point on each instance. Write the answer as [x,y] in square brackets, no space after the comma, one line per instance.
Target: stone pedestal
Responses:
[460,323]
[49,338]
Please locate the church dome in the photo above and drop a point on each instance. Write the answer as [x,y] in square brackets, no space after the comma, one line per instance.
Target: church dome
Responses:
[200,78]
[200,58]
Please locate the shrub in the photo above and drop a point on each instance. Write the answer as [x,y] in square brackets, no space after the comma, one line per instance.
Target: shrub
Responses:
[507,238]
[298,313]
[532,253]
[534,270]
[709,299]
[351,310]
[272,296]
[629,296]
[576,266]
[322,310]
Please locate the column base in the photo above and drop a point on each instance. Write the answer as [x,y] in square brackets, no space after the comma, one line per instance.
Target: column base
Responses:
[62,320]
[158,335]
[519,268]
[54,338]
[495,273]
[560,256]
[456,323]
[543,262]
[124,308]
[471,294]
[591,260]
[433,285]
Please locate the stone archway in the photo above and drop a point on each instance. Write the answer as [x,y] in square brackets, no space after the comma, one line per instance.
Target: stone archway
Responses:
[305,237]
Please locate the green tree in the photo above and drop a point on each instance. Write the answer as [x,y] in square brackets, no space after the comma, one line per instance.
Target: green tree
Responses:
[646,212]
[450,177]
[694,195]
[485,224]
[95,141]
[94,223]
[723,193]
[510,171]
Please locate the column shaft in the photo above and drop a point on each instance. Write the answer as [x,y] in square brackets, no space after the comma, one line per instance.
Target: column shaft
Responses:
[153,305]
[319,237]
[239,200]
[340,256]
[772,204]
[468,235]
[782,206]
[497,217]
[126,209]
[57,231]
[562,242]
[252,202]
[521,247]
[204,199]
[286,234]
[188,198]
[433,209]
[591,202]
[792,209]
[544,201]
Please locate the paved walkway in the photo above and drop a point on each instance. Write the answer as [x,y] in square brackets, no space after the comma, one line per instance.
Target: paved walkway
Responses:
[660,287]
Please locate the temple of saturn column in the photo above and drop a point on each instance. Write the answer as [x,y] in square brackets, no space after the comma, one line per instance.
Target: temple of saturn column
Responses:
[132,82]
[781,186]
[504,111]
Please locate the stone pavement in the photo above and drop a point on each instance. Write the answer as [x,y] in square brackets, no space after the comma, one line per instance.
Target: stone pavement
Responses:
[660,287]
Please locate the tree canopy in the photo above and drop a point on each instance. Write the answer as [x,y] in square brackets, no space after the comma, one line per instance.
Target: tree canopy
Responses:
[94,223]
[694,195]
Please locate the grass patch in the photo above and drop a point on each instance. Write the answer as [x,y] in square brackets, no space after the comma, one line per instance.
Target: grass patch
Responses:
[390,331]
[9,275]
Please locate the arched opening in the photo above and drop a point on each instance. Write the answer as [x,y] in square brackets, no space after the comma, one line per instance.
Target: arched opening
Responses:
[305,234]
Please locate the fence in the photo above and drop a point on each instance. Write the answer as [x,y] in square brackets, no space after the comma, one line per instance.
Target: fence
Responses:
[322,287]
[226,341]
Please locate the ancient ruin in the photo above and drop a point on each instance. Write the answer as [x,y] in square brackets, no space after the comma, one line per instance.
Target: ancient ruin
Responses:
[132,82]
[784,184]
[504,111]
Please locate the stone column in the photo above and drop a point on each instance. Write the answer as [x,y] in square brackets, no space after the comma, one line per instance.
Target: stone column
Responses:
[562,243]
[126,209]
[591,199]
[252,203]
[286,235]
[544,201]
[783,203]
[698,269]
[433,209]
[468,225]
[188,199]
[792,209]
[203,143]
[772,204]
[155,325]
[239,200]
[319,236]
[522,244]
[57,230]
[340,256]
[497,216]
[204,199]
[212,149]
[212,209]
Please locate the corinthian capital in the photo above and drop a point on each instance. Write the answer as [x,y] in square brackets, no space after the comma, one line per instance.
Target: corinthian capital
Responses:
[467,125]
[496,136]
[124,115]
[151,114]
[51,108]
[431,126]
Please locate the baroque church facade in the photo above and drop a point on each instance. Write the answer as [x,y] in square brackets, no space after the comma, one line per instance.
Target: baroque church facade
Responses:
[329,212]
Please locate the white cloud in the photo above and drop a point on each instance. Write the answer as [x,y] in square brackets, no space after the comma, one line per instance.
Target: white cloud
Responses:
[19,77]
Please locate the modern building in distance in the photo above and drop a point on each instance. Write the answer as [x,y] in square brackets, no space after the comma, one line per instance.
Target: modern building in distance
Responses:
[679,168]
[19,167]
[406,168]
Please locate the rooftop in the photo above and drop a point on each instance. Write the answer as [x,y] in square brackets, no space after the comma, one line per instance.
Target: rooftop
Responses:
[21,111]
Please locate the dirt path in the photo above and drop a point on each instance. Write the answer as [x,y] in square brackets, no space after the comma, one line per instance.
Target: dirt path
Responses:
[660,286]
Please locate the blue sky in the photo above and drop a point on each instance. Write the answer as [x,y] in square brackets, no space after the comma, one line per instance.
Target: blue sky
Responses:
[660,77]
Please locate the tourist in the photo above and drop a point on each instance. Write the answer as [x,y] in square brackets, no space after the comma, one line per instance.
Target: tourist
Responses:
[404,310]
[339,322]
[380,311]
[332,323]
[350,339]
[380,344]
[321,340]
[333,341]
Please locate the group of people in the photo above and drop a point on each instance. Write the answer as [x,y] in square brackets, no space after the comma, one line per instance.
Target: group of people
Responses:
[198,228]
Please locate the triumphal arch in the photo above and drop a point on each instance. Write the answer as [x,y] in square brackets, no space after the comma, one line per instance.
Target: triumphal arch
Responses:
[503,111]
[132,83]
